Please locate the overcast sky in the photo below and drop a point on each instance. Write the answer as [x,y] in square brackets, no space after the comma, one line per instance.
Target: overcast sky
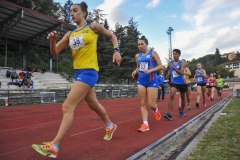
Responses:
[200,26]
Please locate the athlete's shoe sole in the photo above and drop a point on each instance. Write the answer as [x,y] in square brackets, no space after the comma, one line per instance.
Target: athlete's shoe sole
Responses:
[143,128]
[168,116]
[38,148]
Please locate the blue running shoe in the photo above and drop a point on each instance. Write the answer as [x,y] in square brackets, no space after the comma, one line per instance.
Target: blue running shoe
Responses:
[168,116]
[181,114]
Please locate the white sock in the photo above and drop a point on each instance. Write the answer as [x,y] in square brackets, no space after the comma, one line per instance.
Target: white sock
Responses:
[145,122]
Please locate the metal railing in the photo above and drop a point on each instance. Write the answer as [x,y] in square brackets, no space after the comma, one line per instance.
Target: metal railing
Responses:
[26,97]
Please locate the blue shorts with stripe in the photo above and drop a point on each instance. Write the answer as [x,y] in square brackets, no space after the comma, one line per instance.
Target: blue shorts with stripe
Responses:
[147,83]
[88,76]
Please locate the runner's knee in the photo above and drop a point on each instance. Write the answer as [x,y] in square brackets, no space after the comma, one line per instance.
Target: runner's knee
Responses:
[67,108]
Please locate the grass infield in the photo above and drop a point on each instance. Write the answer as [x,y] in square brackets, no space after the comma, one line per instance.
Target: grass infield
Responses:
[222,141]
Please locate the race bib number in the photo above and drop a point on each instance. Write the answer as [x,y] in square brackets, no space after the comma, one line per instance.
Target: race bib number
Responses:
[200,79]
[211,84]
[76,42]
[174,73]
[143,66]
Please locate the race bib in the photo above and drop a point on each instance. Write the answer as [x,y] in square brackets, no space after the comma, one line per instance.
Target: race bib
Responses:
[211,84]
[76,42]
[199,79]
[143,66]
[174,74]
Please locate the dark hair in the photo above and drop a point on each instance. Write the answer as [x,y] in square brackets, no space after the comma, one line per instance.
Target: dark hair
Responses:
[84,8]
[177,51]
[144,39]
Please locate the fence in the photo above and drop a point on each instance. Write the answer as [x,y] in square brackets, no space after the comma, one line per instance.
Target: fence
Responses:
[58,95]
[23,97]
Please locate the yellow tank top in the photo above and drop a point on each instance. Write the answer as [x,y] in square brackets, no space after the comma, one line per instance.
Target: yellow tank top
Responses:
[83,44]
[186,77]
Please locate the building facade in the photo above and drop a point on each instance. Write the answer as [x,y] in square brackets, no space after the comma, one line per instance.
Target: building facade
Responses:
[234,66]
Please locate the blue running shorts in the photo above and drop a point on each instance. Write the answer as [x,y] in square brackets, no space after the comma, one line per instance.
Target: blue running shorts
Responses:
[148,83]
[88,76]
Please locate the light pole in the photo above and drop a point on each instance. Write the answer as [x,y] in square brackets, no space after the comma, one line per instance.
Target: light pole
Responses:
[169,32]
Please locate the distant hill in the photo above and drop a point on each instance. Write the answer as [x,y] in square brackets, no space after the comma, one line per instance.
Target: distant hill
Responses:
[212,64]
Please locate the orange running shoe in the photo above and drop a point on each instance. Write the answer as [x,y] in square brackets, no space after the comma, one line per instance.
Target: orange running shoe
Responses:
[109,133]
[143,128]
[157,115]
[46,149]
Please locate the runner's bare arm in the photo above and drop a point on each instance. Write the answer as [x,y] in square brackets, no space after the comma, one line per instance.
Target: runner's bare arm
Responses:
[159,62]
[187,71]
[181,72]
[136,70]
[56,48]
[98,28]
[204,74]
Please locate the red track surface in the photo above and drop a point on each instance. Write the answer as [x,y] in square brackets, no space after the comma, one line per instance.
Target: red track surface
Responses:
[22,126]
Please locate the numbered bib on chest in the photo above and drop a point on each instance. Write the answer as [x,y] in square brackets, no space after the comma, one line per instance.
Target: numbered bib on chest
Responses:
[175,74]
[143,66]
[76,42]
[211,84]
[200,79]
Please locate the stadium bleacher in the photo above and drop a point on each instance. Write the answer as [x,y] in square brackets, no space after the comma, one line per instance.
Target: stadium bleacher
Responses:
[47,80]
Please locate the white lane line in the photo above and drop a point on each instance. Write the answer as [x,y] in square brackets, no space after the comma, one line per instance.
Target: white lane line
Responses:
[60,113]
[20,149]
[76,134]
[2,154]
[45,124]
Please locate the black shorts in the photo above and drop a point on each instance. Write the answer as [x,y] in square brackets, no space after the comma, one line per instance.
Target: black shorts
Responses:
[180,87]
[210,86]
[219,88]
[202,84]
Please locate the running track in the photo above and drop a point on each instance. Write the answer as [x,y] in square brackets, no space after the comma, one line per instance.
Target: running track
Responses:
[24,125]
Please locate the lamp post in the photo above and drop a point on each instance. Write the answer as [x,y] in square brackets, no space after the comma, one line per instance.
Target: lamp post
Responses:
[169,32]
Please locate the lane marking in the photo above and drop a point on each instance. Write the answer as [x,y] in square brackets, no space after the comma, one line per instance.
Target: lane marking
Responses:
[76,134]
[47,123]
[16,150]
[20,149]
[27,117]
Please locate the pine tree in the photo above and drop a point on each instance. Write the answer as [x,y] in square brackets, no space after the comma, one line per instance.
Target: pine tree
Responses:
[128,37]
[217,57]
[238,54]
[66,7]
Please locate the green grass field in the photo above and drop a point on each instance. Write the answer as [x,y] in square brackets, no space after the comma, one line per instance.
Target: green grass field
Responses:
[222,141]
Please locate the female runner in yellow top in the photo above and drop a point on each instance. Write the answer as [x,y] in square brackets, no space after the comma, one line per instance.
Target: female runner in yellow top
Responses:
[187,74]
[83,44]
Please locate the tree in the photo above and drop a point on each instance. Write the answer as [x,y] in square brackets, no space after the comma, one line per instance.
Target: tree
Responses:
[224,72]
[128,37]
[66,7]
[238,54]
[96,16]
[217,57]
